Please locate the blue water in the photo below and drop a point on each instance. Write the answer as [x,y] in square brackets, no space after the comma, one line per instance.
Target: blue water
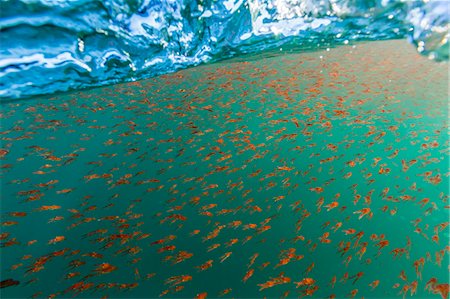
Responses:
[172,185]
[50,46]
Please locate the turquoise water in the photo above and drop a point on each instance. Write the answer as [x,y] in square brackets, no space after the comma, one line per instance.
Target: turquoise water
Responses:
[237,151]
[54,46]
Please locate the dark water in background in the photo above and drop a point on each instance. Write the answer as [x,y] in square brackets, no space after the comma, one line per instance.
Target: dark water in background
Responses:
[245,140]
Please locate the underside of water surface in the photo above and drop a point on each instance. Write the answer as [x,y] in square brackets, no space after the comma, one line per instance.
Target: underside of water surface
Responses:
[319,174]
[50,46]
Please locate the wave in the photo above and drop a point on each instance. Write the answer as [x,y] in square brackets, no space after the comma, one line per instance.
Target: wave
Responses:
[51,45]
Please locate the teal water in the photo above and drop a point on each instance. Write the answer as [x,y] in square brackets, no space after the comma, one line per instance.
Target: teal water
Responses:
[238,148]
[54,46]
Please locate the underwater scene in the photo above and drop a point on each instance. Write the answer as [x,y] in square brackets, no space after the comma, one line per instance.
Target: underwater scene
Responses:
[289,164]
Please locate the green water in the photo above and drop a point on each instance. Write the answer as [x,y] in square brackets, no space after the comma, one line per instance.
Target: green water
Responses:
[213,138]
